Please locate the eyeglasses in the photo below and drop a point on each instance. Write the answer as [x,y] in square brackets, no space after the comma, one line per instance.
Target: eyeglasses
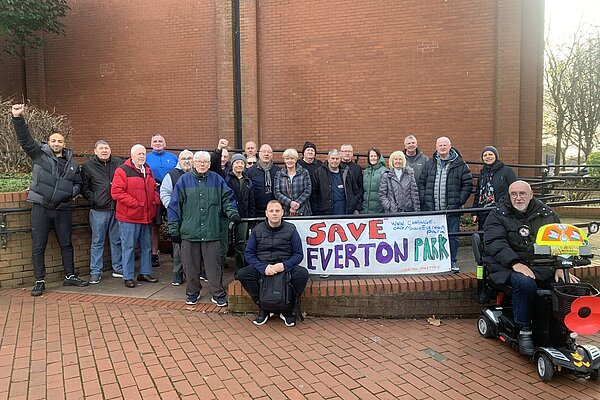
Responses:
[202,161]
[186,158]
[250,162]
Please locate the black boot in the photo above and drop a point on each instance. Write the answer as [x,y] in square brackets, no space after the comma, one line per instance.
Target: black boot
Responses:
[526,345]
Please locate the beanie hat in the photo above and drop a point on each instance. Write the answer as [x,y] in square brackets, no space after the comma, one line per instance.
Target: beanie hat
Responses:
[492,149]
[307,145]
[237,157]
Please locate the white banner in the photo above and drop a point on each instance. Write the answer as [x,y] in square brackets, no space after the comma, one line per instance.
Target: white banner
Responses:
[375,246]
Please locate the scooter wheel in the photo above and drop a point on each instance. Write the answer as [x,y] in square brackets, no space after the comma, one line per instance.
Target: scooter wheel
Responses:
[545,367]
[484,328]
[594,375]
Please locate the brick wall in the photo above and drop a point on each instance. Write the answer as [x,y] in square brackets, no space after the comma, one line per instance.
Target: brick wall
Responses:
[333,71]
[16,268]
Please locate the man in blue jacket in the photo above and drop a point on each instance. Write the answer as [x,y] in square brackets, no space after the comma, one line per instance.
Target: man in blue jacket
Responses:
[262,176]
[55,180]
[274,246]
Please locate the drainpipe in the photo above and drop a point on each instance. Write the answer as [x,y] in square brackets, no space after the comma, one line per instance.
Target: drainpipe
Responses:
[237,74]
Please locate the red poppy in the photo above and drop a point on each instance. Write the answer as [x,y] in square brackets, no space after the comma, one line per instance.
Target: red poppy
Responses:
[584,317]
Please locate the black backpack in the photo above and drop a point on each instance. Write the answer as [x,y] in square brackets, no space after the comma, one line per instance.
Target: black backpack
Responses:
[277,294]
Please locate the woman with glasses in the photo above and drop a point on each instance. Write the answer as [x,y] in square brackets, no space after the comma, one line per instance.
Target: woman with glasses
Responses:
[494,180]
[293,186]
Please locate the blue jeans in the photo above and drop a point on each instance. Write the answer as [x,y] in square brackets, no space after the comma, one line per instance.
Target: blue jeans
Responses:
[130,235]
[453,221]
[523,294]
[101,223]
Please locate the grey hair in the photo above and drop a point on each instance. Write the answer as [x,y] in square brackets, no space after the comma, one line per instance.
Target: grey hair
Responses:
[185,152]
[99,142]
[410,137]
[201,154]
[135,146]
[333,152]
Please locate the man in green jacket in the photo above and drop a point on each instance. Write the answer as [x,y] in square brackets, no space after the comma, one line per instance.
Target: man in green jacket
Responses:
[198,199]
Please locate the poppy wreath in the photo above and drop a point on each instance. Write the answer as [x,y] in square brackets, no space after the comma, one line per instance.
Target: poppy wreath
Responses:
[584,317]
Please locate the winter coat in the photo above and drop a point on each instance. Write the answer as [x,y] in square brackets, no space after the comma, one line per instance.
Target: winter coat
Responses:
[416,162]
[243,194]
[312,167]
[297,189]
[321,200]
[458,185]
[135,194]
[505,247]
[357,175]
[53,182]
[371,180]
[96,182]
[399,195]
[268,245]
[261,194]
[197,202]
[502,178]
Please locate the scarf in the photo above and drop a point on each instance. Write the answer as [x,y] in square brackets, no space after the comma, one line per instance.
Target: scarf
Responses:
[266,168]
[486,188]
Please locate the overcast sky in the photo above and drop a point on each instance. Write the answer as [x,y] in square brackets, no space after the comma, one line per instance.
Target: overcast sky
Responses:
[563,17]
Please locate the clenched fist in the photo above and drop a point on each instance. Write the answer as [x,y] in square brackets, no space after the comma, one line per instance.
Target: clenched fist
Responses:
[17,110]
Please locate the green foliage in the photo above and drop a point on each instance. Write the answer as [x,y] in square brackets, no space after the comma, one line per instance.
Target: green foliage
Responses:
[41,125]
[24,22]
[594,159]
[14,182]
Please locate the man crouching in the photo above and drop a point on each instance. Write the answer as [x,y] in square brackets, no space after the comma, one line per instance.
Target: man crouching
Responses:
[273,247]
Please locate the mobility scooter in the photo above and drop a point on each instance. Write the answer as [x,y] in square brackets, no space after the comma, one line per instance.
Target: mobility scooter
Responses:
[560,314]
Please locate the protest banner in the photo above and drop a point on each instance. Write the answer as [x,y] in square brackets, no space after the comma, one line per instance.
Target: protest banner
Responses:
[375,246]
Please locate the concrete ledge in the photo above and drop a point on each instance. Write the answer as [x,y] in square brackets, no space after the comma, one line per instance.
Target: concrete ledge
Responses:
[414,296]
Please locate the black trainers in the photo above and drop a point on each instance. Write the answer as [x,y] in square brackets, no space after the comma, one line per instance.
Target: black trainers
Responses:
[526,345]
[221,301]
[39,288]
[262,318]
[72,280]
[155,261]
[288,319]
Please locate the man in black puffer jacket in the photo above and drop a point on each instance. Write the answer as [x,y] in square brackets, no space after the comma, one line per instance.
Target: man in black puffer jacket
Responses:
[97,176]
[55,180]
[274,247]
[508,248]
[446,184]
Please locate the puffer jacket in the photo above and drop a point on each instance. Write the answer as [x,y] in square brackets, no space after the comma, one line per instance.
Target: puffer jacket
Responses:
[197,202]
[297,189]
[371,180]
[459,182]
[505,247]
[135,194]
[321,199]
[97,177]
[53,182]
[269,245]
[399,195]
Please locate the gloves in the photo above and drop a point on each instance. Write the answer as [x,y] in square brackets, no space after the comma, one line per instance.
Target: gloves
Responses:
[176,239]
[236,219]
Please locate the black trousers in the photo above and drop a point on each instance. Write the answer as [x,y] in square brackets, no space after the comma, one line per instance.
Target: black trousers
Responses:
[249,277]
[42,220]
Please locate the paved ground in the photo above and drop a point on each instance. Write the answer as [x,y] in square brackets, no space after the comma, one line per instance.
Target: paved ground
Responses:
[68,346]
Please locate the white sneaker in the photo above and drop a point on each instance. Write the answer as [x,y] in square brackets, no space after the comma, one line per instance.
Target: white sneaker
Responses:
[117,274]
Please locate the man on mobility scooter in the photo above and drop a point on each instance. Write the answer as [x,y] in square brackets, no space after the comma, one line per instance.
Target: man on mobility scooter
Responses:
[507,252]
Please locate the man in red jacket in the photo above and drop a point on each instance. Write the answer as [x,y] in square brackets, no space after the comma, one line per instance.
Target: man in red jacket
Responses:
[134,190]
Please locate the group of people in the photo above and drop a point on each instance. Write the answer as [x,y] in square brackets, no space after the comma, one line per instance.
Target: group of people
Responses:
[203,193]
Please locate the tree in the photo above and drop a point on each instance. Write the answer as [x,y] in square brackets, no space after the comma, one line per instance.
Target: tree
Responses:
[24,22]
[572,95]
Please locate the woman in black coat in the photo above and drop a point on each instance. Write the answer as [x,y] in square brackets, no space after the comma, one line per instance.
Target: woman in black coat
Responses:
[494,180]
